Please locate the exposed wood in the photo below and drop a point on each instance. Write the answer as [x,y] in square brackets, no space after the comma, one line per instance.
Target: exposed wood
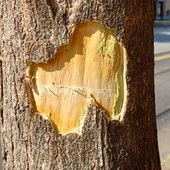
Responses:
[33,31]
[90,66]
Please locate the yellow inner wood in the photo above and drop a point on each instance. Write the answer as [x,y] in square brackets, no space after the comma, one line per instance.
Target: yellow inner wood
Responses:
[91,64]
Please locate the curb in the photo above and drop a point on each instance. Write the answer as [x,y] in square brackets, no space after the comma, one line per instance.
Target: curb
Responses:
[162,53]
[161,22]
[165,112]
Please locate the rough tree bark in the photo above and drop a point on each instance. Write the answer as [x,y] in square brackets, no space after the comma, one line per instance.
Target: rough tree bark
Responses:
[32,31]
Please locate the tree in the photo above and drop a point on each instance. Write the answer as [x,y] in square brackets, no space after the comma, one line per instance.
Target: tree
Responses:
[87,67]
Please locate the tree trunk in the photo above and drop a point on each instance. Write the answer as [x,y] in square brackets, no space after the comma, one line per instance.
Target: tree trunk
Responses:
[45,42]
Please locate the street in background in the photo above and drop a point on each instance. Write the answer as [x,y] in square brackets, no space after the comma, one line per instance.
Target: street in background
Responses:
[162,90]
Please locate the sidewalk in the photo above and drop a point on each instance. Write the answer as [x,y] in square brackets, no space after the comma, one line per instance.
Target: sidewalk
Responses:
[163,126]
[162,94]
[162,83]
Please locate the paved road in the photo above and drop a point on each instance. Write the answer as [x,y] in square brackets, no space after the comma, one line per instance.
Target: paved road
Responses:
[162,91]
[162,67]
[162,83]
[163,126]
[162,39]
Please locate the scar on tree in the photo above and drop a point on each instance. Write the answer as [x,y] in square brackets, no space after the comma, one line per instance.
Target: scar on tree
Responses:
[88,70]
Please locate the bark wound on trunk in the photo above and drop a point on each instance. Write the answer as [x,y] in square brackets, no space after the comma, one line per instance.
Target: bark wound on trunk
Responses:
[87,71]
[31,31]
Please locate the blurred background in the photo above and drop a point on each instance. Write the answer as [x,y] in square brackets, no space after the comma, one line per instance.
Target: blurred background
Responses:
[162,78]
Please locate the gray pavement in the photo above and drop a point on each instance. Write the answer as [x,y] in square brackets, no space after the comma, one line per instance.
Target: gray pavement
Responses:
[163,125]
[162,39]
[162,91]
[162,85]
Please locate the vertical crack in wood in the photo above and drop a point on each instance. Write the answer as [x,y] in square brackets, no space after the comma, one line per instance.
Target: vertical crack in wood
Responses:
[1,111]
[1,91]
[52,5]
